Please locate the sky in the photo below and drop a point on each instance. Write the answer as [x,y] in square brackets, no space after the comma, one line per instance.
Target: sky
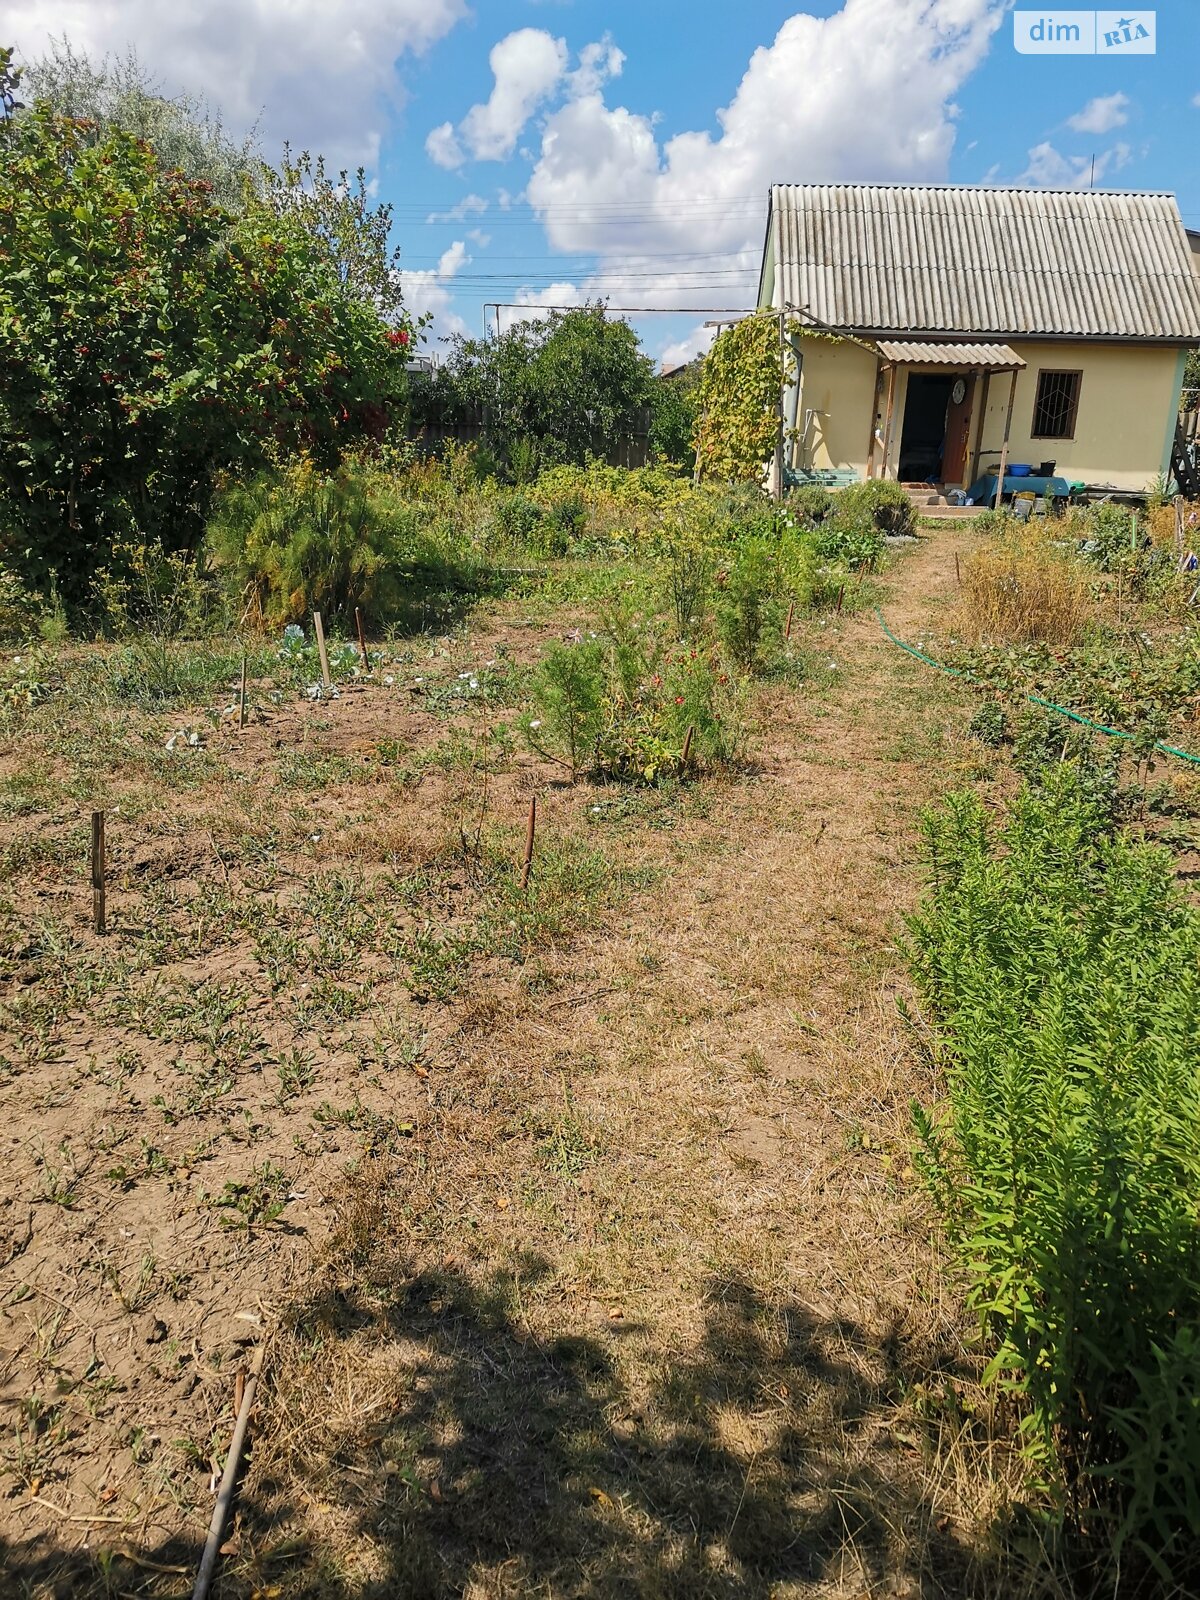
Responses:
[547,152]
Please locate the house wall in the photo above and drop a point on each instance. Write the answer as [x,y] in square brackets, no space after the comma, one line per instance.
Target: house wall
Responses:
[1128,407]
[1128,404]
[837,388]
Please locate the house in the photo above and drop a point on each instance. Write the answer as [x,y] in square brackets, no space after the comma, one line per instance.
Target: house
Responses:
[1056,320]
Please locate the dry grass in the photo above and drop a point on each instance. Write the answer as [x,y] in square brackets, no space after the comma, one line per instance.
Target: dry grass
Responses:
[1022,591]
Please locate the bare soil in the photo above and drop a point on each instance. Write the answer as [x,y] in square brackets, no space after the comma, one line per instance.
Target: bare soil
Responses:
[581,1229]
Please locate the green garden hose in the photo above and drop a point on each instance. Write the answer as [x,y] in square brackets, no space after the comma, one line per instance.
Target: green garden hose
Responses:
[1034,699]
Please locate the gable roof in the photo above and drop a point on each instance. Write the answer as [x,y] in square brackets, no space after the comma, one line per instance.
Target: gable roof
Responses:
[891,258]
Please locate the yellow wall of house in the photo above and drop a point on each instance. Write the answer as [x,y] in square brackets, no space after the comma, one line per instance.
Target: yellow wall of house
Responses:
[1128,402]
[1128,405]
[837,388]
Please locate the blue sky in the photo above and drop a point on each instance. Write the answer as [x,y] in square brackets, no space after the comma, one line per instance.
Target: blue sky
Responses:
[547,151]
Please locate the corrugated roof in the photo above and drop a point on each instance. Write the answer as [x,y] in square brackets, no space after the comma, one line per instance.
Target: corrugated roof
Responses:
[905,259]
[1000,357]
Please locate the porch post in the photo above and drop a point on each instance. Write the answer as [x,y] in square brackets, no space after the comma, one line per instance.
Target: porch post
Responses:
[983,405]
[875,416]
[887,427]
[1012,398]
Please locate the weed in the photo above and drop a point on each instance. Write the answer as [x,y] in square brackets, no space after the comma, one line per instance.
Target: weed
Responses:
[258,1201]
[1063,969]
[1021,591]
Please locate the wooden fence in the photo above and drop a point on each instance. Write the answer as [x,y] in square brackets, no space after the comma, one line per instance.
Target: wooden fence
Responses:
[631,449]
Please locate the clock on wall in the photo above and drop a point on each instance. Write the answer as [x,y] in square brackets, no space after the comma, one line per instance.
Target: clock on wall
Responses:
[959,392]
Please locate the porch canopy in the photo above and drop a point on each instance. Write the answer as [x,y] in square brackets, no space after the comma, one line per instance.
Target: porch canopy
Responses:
[978,357]
[961,355]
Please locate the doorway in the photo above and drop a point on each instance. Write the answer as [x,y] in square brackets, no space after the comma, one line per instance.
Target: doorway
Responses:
[923,436]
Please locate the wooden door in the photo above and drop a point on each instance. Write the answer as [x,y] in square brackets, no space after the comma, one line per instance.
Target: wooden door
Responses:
[958,430]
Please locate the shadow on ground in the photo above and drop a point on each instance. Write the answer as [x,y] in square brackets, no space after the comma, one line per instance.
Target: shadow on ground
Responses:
[503,1465]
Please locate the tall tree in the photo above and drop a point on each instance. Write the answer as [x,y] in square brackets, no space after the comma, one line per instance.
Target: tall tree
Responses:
[185,132]
[561,387]
[151,339]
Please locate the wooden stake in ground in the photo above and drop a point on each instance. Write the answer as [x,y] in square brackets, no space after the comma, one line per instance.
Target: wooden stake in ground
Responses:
[1178,531]
[216,1528]
[787,629]
[840,598]
[529,832]
[319,630]
[362,640]
[242,695]
[98,918]
[957,571]
[687,746]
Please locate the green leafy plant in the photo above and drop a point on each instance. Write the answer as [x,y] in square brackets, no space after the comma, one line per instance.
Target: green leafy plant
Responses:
[299,540]
[739,400]
[152,339]
[1062,969]
[879,502]
[568,691]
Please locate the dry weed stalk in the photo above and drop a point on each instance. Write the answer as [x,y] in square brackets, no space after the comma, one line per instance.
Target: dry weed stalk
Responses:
[1021,592]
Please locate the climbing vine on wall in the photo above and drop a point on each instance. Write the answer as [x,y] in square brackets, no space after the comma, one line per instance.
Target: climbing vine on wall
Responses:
[743,375]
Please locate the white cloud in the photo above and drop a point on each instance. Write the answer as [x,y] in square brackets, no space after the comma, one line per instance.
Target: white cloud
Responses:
[427,293]
[536,304]
[867,93]
[528,66]
[443,148]
[322,76]
[478,237]
[1101,115]
[1196,100]
[695,343]
[597,64]
[471,205]
[1049,169]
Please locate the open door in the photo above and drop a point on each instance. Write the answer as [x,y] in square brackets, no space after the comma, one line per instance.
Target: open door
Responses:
[958,430]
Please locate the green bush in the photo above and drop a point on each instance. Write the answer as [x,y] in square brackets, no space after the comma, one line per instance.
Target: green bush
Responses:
[568,692]
[811,503]
[853,540]
[518,519]
[144,589]
[880,502]
[620,705]
[1062,967]
[301,540]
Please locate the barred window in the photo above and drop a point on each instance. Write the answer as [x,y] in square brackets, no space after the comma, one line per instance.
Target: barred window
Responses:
[1056,405]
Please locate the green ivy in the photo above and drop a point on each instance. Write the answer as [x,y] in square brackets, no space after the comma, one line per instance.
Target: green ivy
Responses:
[743,377]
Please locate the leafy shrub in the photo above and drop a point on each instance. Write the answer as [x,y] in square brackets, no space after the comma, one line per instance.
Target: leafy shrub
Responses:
[853,541]
[518,519]
[621,706]
[880,502]
[568,692]
[565,520]
[153,340]
[989,724]
[20,609]
[146,589]
[688,556]
[1062,967]
[812,503]
[744,599]
[302,540]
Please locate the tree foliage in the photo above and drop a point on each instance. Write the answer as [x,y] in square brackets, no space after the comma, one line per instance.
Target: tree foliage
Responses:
[555,390]
[185,132]
[336,212]
[740,386]
[152,339]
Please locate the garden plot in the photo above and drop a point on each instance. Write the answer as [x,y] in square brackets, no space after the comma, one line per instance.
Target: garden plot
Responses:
[325,1023]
